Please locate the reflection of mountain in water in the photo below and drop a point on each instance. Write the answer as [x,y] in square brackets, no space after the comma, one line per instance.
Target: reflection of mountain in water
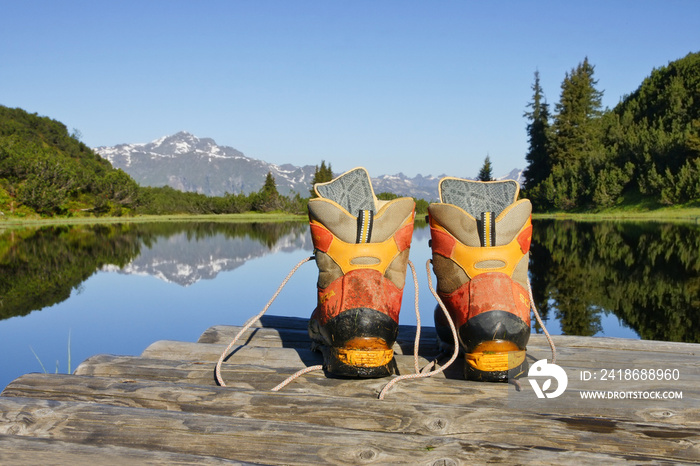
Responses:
[185,260]
[40,267]
[648,275]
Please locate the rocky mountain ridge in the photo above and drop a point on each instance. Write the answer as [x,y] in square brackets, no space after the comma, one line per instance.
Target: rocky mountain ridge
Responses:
[188,163]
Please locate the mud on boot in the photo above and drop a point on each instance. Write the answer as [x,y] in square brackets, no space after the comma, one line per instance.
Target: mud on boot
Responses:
[361,246]
[480,239]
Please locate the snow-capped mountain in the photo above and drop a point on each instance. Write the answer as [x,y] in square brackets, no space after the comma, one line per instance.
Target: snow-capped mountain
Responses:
[420,187]
[424,187]
[187,163]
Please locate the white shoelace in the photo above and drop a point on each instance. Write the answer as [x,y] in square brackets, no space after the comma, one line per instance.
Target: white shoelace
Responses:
[425,372]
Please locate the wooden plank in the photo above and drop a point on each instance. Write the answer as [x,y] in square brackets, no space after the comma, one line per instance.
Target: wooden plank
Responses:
[273,321]
[300,323]
[572,360]
[274,357]
[295,329]
[626,344]
[329,410]
[566,345]
[290,338]
[201,371]
[580,433]
[239,376]
[167,401]
[27,451]
[690,349]
[258,336]
[272,442]
[449,389]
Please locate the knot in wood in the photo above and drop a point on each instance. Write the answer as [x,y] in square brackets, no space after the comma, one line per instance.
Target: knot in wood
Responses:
[437,424]
[366,455]
[444,462]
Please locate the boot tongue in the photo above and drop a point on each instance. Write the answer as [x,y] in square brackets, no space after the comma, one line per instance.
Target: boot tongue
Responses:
[352,191]
[476,197]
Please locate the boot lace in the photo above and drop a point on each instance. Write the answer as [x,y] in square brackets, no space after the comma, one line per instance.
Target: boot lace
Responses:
[256,318]
[427,371]
[306,370]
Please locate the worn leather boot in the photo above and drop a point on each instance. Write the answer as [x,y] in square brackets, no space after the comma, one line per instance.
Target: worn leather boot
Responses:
[480,239]
[361,249]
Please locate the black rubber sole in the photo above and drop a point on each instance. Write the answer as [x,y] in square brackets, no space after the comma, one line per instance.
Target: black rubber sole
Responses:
[495,339]
[487,326]
[477,375]
[494,325]
[356,343]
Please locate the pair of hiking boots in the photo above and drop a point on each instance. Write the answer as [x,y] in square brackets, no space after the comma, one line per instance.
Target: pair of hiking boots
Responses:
[480,240]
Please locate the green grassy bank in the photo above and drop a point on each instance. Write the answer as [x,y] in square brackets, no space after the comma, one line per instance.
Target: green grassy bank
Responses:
[688,213]
[7,223]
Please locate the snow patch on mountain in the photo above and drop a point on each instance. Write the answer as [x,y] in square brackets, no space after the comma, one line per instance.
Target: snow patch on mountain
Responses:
[188,163]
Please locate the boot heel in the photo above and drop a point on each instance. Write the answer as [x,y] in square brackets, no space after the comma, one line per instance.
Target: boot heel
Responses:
[361,357]
[495,361]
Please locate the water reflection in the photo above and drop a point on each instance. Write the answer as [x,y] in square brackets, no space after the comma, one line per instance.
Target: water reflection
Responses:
[647,274]
[40,267]
[198,251]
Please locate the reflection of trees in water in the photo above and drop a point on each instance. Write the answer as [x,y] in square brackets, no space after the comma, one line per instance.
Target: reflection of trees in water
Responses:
[647,274]
[39,267]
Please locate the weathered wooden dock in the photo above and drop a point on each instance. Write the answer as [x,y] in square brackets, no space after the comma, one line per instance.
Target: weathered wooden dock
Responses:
[164,407]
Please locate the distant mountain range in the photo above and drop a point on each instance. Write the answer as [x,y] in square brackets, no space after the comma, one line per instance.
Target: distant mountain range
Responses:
[188,163]
[424,187]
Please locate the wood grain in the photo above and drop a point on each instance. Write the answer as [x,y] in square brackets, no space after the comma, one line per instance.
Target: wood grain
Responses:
[164,407]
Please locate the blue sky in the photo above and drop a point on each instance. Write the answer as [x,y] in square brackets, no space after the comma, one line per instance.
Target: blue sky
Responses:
[395,86]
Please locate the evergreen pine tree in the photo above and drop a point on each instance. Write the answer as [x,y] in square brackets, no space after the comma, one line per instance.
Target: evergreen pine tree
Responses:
[539,164]
[485,172]
[269,189]
[579,108]
[576,149]
[268,198]
[323,174]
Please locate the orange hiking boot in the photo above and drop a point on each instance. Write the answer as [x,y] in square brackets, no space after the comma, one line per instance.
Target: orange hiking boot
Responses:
[361,247]
[480,239]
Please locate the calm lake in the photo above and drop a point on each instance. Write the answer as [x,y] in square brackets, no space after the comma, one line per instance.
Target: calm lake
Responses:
[70,292]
